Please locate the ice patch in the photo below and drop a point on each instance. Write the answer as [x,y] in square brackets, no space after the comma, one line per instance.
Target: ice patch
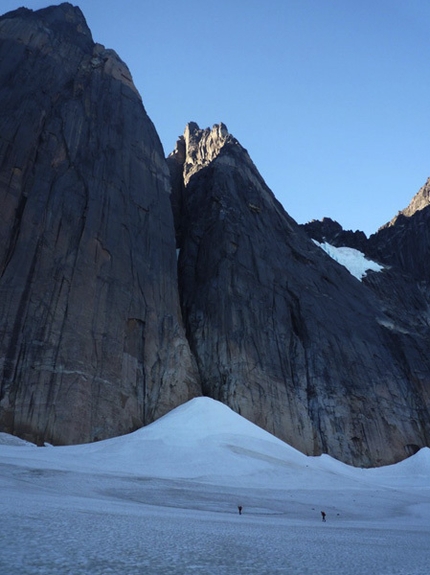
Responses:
[353,260]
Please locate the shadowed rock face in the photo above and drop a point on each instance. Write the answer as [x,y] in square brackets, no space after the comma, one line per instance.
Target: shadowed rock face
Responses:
[403,247]
[282,333]
[91,343]
[403,243]
[327,230]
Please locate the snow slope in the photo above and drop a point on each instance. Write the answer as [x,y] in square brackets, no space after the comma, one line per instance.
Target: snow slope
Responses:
[164,500]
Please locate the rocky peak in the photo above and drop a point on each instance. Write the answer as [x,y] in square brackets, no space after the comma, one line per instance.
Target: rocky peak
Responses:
[261,302]
[420,201]
[330,231]
[194,150]
[64,19]
[404,242]
[198,148]
[198,151]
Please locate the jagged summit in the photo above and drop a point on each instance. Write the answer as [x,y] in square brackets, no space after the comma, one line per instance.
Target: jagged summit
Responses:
[198,148]
[215,148]
[420,201]
[328,230]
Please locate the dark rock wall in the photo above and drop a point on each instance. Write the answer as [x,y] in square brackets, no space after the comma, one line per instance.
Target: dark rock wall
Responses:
[91,343]
[330,231]
[405,244]
[282,333]
[402,243]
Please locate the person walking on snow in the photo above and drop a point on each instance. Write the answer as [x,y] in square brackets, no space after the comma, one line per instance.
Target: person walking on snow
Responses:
[323,514]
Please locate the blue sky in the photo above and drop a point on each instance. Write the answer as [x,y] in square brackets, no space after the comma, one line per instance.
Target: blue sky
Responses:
[330,97]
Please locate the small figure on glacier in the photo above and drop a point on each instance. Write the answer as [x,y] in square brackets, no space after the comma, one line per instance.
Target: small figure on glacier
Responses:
[323,514]
[239,507]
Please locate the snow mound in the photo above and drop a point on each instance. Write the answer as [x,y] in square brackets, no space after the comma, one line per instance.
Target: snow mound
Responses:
[6,439]
[201,439]
[203,418]
[353,260]
[413,470]
[204,440]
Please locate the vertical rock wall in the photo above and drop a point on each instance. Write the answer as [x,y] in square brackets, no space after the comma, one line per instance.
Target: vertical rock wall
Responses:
[91,343]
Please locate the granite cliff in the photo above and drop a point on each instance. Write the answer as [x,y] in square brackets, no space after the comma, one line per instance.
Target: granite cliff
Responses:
[282,333]
[91,338]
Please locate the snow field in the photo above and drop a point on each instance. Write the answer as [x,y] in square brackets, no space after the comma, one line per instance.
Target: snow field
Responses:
[164,500]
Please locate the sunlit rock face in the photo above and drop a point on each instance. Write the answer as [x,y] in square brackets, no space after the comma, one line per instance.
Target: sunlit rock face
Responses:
[405,241]
[283,334]
[91,343]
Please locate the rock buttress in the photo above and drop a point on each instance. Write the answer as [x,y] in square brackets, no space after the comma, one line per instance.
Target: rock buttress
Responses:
[282,334]
[91,339]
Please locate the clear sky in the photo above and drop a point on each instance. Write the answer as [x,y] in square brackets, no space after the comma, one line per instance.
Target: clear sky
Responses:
[329,97]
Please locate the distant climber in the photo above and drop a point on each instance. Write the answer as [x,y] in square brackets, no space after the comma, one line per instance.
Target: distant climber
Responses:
[323,514]
[239,507]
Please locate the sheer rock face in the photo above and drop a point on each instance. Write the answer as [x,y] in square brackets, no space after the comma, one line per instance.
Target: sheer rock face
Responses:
[91,343]
[281,333]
